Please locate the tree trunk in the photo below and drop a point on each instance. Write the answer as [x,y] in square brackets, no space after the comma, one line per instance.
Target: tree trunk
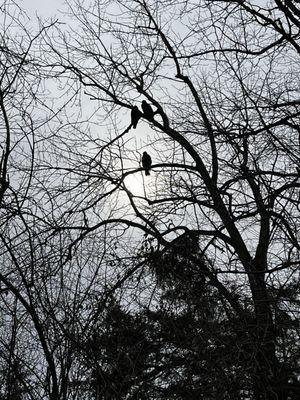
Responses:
[268,378]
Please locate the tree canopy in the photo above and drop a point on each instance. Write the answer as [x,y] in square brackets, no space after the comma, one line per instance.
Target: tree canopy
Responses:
[183,284]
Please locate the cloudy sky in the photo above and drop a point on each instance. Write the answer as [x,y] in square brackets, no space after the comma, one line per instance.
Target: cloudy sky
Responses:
[43,8]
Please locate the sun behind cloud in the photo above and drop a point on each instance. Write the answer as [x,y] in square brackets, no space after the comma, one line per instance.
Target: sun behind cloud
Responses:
[138,184]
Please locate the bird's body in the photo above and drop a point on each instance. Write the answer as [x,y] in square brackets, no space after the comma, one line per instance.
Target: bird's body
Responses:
[147,110]
[146,162]
[135,116]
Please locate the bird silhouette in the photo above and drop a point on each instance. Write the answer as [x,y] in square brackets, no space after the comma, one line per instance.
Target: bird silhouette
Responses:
[147,109]
[135,116]
[146,163]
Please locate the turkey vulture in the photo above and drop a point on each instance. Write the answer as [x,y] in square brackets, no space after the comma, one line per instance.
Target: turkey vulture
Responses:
[147,109]
[146,162]
[135,116]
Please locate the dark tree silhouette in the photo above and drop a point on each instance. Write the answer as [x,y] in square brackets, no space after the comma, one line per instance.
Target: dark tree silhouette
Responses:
[147,109]
[204,264]
[228,137]
[146,162]
[135,116]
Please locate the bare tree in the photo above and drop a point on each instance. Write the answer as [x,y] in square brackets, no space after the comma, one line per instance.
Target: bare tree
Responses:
[88,242]
[221,79]
[30,249]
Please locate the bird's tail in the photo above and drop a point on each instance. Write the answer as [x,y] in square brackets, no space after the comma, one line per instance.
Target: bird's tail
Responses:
[147,172]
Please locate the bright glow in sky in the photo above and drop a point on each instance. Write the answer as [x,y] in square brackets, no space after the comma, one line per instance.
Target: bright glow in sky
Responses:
[137,184]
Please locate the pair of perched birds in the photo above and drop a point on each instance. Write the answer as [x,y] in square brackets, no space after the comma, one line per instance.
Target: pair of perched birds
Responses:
[135,116]
[136,113]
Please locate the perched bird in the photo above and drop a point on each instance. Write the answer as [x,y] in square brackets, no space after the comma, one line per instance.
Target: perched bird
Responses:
[146,162]
[135,116]
[147,109]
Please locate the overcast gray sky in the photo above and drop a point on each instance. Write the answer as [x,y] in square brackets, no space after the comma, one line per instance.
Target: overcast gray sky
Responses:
[43,8]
